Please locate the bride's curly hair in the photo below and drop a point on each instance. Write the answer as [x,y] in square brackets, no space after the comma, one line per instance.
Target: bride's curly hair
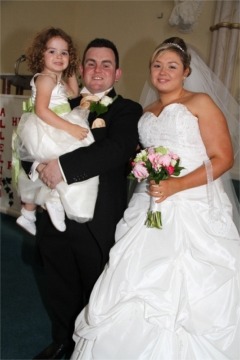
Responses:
[35,52]
[179,46]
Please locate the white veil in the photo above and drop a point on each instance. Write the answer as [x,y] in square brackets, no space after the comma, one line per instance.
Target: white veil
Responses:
[203,79]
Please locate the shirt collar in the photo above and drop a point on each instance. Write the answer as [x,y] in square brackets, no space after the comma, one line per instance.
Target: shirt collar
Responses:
[100,95]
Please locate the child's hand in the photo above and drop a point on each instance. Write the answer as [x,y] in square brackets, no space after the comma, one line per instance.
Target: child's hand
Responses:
[78,132]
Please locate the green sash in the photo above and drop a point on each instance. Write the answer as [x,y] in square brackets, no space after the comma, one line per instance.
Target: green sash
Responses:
[28,106]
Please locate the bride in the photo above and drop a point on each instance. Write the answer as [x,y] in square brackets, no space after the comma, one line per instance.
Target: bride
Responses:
[172,293]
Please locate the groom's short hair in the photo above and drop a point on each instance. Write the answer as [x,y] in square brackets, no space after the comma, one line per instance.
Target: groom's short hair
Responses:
[98,43]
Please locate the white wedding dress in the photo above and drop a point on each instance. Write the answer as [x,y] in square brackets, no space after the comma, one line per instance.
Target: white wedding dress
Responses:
[169,294]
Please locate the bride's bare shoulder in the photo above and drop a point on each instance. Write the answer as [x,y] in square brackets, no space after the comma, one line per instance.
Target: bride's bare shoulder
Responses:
[198,103]
[196,97]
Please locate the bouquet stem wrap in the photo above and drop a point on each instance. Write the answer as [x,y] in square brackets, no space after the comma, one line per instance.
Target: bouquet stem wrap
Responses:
[154,216]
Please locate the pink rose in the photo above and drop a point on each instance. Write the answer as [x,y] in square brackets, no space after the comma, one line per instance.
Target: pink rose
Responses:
[154,158]
[140,172]
[170,169]
[165,160]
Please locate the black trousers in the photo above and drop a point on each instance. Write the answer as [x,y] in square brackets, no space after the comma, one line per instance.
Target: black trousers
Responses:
[72,263]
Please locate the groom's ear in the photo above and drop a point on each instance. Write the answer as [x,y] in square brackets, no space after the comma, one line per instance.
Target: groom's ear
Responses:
[118,74]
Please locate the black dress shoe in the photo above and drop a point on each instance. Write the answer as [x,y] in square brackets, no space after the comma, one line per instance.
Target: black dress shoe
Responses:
[55,351]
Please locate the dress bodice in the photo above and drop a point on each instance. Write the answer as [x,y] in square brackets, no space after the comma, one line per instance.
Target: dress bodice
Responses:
[178,129]
[58,96]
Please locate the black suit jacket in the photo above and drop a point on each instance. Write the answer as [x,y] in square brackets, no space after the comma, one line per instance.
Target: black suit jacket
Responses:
[107,157]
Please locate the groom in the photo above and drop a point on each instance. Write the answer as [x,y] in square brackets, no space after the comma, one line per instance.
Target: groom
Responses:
[74,259]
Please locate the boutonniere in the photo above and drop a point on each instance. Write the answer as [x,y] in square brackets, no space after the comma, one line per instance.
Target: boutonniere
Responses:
[101,106]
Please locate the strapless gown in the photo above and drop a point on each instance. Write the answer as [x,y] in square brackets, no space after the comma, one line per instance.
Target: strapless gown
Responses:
[170,293]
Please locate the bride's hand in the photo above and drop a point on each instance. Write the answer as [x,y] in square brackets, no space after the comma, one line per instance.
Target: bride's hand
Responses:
[164,189]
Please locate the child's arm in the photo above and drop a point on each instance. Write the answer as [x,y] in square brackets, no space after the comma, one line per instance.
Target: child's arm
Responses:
[45,86]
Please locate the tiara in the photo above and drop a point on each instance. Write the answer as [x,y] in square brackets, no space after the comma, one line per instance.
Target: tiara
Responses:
[176,45]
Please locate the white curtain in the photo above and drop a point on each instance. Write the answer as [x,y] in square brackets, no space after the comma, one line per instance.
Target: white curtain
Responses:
[223,61]
[225,40]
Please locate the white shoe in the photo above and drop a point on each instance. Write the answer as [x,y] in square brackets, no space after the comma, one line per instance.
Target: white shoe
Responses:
[27,224]
[57,214]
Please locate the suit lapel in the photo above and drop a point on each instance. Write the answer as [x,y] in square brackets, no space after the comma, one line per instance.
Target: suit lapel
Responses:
[75,102]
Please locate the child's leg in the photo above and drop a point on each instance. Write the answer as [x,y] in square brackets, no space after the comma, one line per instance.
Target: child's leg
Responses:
[56,211]
[29,207]
[27,218]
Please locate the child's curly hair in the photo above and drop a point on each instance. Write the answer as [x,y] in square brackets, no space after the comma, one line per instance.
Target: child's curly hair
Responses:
[34,54]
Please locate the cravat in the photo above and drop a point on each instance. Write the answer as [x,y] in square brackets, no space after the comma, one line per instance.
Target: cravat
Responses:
[87,99]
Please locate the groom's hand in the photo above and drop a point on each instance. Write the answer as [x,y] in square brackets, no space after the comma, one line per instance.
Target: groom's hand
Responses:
[51,174]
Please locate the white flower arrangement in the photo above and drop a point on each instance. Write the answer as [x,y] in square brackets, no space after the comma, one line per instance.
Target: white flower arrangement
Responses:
[101,106]
[93,103]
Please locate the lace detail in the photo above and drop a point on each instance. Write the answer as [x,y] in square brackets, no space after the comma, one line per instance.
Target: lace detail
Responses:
[177,128]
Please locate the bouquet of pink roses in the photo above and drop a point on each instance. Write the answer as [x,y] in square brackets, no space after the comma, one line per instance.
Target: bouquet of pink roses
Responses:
[155,163]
